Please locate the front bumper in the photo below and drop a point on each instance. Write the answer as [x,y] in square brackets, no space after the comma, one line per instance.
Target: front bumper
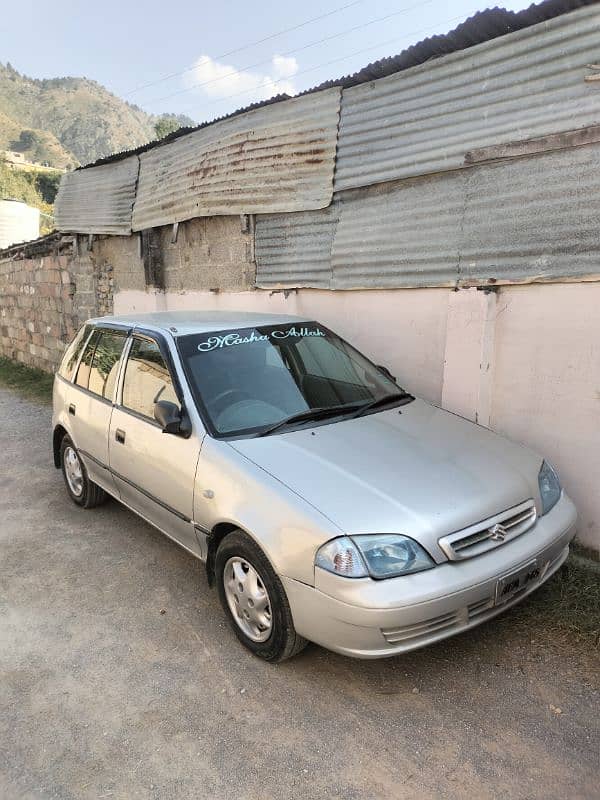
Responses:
[374,619]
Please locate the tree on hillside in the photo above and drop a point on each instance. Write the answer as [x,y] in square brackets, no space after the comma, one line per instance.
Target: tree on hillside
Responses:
[166,125]
[28,140]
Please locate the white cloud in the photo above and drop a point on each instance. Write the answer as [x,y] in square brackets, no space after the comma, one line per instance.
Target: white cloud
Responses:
[222,80]
[285,67]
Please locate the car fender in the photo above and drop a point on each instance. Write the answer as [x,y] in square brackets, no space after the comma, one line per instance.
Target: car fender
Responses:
[231,489]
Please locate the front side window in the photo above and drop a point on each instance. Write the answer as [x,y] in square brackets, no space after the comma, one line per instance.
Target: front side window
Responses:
[252,378]
[147,378]
[105,363]
[71,356]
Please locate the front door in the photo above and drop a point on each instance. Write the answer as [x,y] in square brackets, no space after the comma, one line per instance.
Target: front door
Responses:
[154,471]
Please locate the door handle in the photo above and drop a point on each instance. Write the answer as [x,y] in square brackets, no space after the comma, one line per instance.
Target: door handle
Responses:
[120,436]
[71,409]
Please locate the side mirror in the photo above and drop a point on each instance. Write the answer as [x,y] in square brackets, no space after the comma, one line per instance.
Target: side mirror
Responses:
[168,416]
[386,372]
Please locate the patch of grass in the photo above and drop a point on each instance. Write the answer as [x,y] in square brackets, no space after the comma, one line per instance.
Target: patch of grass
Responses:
[568,605]
[29,381]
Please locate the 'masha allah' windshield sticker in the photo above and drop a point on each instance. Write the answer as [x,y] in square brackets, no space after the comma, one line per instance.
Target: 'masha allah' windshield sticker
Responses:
[214,342]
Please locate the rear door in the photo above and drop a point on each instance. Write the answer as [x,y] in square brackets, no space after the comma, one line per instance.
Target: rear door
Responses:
[90,403]
[154,471]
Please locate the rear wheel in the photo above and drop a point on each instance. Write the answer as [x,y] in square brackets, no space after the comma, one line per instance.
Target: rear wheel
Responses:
[254,599]
[82,490]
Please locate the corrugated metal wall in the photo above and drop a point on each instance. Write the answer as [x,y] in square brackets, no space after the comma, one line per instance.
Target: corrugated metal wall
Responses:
[407,234]
[424,119]
[533,219]
[277,158]
[98,199]
[529,219]
[297,245]
[418,200]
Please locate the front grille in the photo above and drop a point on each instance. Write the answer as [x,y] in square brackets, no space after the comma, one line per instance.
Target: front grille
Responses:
[489,533]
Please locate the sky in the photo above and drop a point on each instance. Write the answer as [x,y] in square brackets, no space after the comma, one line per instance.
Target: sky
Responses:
[208,59]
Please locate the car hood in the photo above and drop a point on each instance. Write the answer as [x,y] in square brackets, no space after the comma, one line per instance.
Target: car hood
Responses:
[416,470]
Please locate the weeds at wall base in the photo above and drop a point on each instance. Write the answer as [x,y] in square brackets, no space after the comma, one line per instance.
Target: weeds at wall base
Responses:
[32,383]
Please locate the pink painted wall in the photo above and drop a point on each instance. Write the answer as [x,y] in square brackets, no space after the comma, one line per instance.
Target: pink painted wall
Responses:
[546,384]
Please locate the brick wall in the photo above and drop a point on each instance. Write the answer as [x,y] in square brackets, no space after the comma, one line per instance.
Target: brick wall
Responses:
[47,291]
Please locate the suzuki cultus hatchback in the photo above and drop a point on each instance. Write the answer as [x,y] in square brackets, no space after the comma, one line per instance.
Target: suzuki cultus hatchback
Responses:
[328,503]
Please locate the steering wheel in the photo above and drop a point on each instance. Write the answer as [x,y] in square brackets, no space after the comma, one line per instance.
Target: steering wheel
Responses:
[237,393]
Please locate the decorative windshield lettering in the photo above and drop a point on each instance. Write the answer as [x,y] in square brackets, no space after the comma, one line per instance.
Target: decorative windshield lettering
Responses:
[230,339]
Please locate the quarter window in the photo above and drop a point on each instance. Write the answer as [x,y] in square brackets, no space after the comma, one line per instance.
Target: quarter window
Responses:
[83,372]
[72,353]
[105,363]
[147,378]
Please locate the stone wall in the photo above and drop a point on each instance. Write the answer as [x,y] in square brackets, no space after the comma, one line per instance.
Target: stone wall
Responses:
[47,290]
[207,254]
[49,287]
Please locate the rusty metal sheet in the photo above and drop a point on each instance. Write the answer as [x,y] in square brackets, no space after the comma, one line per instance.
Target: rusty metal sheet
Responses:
[424,119]
[533,219]
[277,158]
[295,247]
[97,199]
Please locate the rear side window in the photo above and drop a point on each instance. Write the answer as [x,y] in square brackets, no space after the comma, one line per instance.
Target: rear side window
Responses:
[72,353]
[83,372]
[105,363]
[147,378]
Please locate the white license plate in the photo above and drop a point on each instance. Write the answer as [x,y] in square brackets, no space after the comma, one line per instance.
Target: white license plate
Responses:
[513,583]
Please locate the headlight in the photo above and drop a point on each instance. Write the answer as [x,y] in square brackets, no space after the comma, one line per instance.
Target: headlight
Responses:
[549,487]
[385,555]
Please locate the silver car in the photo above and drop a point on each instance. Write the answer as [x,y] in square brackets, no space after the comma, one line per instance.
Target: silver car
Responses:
[328,503]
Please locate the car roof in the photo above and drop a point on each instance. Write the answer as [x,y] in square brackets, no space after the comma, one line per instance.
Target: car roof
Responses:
[182,323]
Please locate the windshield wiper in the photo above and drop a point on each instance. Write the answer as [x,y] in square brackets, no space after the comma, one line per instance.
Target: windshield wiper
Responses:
[321,412]
[400,398]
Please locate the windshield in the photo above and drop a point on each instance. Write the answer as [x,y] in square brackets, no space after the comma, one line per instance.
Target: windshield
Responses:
[249,379]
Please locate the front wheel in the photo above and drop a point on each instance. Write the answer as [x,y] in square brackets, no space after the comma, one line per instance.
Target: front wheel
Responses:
[254,599]
[81,489]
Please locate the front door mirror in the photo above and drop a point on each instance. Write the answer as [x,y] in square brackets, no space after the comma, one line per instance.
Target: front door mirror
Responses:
[168,416]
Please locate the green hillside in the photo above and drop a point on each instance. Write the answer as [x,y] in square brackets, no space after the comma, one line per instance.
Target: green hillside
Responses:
[68,121]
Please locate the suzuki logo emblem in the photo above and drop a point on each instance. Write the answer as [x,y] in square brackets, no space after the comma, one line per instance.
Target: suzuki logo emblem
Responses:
[497,533]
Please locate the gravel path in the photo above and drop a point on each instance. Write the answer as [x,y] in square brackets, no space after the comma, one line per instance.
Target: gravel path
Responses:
[120,679]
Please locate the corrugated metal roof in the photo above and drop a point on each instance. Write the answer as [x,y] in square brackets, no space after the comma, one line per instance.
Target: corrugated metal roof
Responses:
[481,27]
[424,119]
[272,159]
[297,245]
[530,219]
[98,200]
[533,219]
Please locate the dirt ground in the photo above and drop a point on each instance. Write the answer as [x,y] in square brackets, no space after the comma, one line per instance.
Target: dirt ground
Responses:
[120,679]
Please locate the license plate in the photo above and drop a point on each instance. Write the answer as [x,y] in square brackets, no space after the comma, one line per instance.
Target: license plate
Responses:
[513,583]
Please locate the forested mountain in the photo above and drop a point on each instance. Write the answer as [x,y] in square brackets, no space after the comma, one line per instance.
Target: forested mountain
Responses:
[69,121]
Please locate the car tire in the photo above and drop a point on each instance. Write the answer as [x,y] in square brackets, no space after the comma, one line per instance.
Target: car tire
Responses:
[256,604]
[81,489]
